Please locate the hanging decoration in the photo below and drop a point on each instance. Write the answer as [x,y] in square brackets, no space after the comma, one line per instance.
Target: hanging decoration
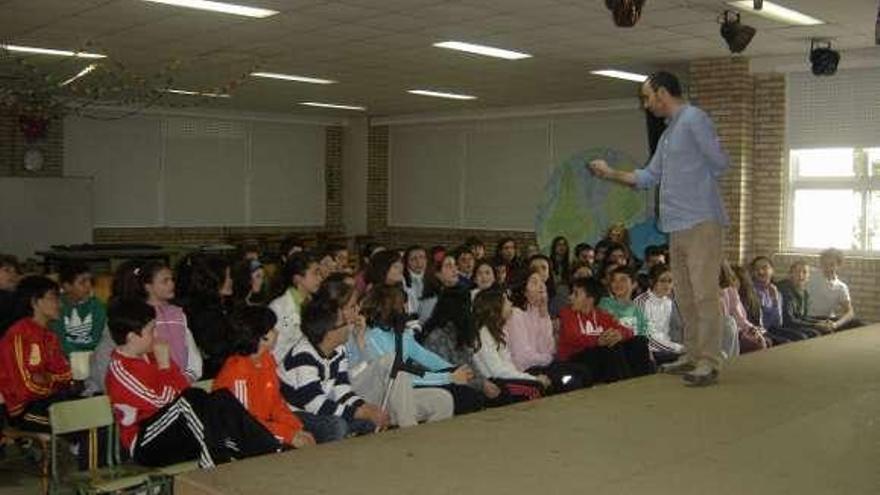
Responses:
[38,90]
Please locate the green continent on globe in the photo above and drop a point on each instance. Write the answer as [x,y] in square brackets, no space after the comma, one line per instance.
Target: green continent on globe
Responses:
[567,218]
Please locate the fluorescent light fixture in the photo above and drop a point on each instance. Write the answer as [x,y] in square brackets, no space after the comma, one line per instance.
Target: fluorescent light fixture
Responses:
[226,8]
[196,93]
[80,74]
[619,74]
[439,94]
[289,77]
[332,105]
[482,50]
[777,13]
[50,51]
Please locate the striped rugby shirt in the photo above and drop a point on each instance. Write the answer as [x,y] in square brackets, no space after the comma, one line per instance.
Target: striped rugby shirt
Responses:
[317,384]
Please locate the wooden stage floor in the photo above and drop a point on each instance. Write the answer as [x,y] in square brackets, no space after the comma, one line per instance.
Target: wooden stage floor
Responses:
[799,419]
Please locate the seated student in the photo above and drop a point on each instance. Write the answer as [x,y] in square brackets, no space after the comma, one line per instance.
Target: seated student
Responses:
[251,375]
[315,381]
[445,280]
[620,304]
[540,264]
[653,256]
[207,305]
[662,315]
[387,269]
[418,397]
[796,300]
[829,296]
[83,317]
[367,252]
[770,299]
[302,274]
[477,247]
[416,271]
[454,338]
[593,337]
[580,270]
[326,263]
[484,277]
[751,336]
[161,421]
[531,340]
[585,255]
[507,254]
[34,373]
[9,275]
[464,259]
[492,309]
[248,283]
[560,258]
[341,258]
[153,283]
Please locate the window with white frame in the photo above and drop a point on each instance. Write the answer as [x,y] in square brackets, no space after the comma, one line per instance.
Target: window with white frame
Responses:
[834,199]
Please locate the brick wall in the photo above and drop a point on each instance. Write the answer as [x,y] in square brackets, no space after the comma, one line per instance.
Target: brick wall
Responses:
[725,89]
[769,166]
[377,179]
[13,146]
[333,179]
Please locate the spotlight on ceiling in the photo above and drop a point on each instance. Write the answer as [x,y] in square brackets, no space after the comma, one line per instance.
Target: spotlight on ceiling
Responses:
[626,13]
[758,4]
[823,59]
[735,33]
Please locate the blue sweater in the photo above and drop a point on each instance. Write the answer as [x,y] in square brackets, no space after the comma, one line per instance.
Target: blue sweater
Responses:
[381,342]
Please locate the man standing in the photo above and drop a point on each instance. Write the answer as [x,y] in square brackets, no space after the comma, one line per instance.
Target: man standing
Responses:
[687,164]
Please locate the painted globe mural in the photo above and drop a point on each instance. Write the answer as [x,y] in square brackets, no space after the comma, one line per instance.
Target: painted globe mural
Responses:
[581,207]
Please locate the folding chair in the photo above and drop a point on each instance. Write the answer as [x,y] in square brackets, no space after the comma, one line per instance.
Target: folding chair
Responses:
[90,415]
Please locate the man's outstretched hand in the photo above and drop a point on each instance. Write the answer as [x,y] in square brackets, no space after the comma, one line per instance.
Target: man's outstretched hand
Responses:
[599,168]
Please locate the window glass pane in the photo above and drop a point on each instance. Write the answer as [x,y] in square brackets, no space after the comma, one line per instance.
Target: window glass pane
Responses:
[828,162]
[827,218]
[873,155]
[874,222]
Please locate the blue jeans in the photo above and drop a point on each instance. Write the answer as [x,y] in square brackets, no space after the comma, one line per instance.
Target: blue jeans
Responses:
[327,428]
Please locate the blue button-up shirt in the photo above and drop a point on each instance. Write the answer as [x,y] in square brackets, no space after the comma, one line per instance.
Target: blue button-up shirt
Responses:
[687,164]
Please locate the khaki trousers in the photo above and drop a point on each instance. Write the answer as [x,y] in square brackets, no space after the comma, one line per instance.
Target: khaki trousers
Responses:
[695,258]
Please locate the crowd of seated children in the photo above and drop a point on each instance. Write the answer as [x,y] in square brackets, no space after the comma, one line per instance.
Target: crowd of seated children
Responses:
[315,364]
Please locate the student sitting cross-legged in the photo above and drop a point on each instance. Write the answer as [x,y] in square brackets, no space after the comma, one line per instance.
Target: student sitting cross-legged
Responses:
[251,374]
[593,337]
[161,421]
[492,309]
[314,375]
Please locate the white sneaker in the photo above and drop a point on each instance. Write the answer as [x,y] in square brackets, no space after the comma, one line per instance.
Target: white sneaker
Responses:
[702,376]
[680,366]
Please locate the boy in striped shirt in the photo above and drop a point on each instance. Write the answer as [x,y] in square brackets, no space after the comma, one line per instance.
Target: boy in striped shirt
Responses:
[314,377]
[161,421]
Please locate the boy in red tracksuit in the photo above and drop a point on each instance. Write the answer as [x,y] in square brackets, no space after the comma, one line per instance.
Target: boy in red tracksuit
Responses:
[162,421]
[34,373]
[593,337]
[251,374]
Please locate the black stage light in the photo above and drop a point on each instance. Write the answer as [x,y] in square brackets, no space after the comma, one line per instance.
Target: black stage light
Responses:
[626,13]
[823,59]
[735,33]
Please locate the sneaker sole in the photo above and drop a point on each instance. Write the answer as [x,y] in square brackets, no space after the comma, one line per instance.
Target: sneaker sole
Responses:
[701,381]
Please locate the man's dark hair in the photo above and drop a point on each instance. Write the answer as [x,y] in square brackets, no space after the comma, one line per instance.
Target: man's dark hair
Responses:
[667,81]
[128,315]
